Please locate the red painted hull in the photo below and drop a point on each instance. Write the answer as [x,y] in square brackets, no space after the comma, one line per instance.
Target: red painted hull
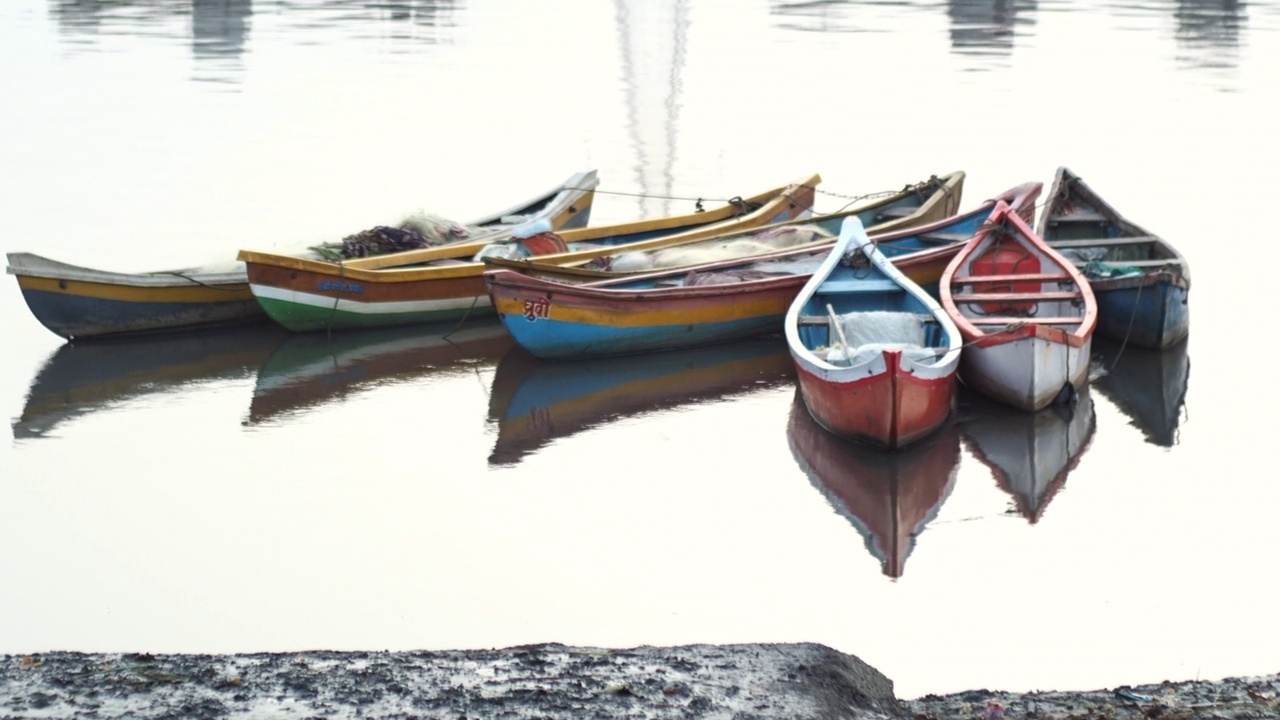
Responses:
[891,409]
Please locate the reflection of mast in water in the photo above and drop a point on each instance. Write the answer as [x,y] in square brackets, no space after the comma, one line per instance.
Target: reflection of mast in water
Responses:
[651,35]
[888,496]
[1030,454]
[218,31]
[987,26]
[1210,28]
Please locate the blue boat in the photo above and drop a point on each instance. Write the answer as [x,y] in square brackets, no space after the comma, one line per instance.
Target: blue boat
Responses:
[1140,280]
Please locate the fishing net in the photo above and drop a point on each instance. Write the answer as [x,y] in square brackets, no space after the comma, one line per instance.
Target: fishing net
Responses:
[420,230]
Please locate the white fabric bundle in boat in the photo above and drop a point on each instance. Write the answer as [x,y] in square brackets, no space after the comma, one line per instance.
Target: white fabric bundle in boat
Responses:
[436,229]
[871,333]
[697,254]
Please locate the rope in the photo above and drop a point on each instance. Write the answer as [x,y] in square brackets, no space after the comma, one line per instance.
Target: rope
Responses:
[1129,330]
[465,315]
[190,279]
[333,311]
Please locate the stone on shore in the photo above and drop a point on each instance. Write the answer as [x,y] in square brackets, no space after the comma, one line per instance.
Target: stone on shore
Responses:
[726,682]
[535,681]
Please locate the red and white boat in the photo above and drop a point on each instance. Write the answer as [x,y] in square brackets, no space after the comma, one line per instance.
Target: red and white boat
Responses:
[876,356]
[1026,313]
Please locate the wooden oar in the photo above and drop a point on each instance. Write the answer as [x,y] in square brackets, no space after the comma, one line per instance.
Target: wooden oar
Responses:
[835,320]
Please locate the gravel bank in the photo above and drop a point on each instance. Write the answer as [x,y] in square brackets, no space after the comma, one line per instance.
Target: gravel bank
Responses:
[734,682]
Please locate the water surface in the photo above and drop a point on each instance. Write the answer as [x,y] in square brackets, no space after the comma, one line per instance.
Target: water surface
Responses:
[435,488]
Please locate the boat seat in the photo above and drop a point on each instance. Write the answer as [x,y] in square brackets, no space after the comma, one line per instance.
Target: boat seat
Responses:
[992,320]
[814,319]
[895,213]
[943,238]
[1138,263]
[1018,296]
[868,285]
[1084,216]
[1041,277]
[1101,242]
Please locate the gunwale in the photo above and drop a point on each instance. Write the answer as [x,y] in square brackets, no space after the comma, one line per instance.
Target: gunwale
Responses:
[942,203]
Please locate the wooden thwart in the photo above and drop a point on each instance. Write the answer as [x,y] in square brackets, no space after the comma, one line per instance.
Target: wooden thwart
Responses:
[1104,242]
[1026,320]
[896,212]
[1011,296]
[1043,277]
[944,238]
[1084,216]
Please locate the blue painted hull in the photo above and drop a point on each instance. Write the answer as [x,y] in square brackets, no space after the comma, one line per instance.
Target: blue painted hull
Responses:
[74,316]
[553,339]
[1150,315]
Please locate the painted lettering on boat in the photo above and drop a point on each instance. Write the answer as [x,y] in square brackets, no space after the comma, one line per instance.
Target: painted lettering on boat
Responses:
[338,286]
[538,308]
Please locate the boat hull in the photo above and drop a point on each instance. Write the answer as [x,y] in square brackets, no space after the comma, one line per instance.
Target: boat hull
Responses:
[1026,368]
[1148,311]
[79,309]
[886,405]
[305,295]
[306,300]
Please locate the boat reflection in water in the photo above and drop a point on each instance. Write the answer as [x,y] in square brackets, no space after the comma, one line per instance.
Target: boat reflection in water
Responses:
[312,369]
[888,496]
[1150,386]
[1030,454]
[536,401]
[81,378]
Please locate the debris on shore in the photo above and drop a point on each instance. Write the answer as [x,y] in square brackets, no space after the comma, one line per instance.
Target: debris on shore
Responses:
[756,681]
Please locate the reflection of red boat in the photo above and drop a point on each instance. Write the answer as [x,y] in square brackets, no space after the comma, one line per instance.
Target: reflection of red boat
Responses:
[311,370]
[888,496]
[1150,386]
[1030,455]
[536,401]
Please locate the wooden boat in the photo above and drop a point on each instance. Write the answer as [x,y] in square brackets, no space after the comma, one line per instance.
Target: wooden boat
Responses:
[575,317]
[82,379]
[534,402]
[446,284]
[1026,313]
[876,357]
[888,497]
[310,371]
[1149,386]
[79,302]
[1030,455]
[1140,280]
[917,204]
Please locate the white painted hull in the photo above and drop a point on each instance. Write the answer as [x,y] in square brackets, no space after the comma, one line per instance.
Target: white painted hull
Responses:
[1028,372]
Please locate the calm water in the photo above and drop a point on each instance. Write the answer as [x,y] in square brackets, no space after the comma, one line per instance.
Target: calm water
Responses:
[254,491]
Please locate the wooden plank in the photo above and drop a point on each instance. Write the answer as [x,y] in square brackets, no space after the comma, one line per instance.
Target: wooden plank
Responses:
[1083,216]
[1015,296]
[814,319]
[1135,263]
[944,238]
[896,212]
[1103,242]
[1026,320]
[868,285]
[1042,277]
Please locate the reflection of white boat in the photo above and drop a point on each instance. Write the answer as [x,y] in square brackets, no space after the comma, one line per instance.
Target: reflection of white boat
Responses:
[888,496]
[84,378]
[1150,386]
[1030,454]
[310,370]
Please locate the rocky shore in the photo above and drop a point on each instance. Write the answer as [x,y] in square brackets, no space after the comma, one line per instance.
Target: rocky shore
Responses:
[733,682]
